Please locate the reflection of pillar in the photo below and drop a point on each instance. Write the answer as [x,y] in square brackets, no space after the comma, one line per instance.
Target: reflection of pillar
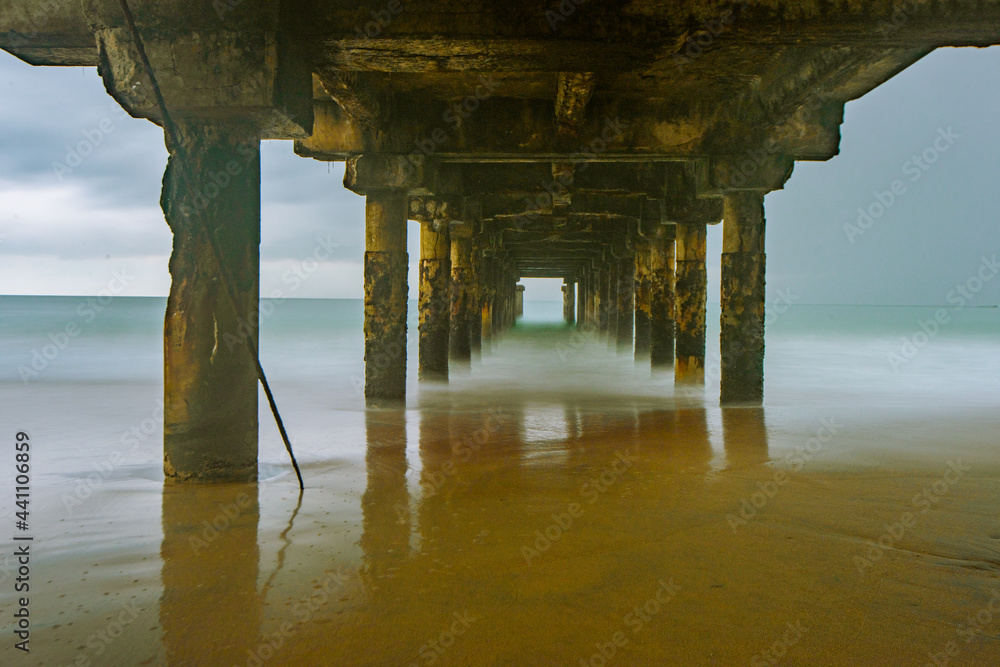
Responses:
[642,322]
[692,295]
[742,322]
[661,296]
[569,301]
[210,611]
[519,304]
[210,378]
[461,252]
[744,432]
[434,304]
[626,301]
[612,307]
[385,505]
[385,295]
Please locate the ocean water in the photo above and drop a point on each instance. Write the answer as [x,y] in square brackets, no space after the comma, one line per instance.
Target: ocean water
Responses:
[525,513]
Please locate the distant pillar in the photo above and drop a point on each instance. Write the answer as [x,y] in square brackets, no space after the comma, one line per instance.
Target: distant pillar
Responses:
[475,304]
[692,295]
[601,300]
[519,301]
[487,296]
[581,301]
[626,302]
[434,303]
[210,378]
[642,301]
[569,302]
[612,307]
[742,322]
[385,295]
[661,299]
[461,251]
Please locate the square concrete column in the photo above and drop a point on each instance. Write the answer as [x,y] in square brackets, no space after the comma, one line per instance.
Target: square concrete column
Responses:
[385,295]
[601,300]
[460,349]
[626,302]
[661,299]
[475,307]
[642,303]
[519,301]
[612,307]
[569,301]
[435,300]
[692,296]
[210,377]
[487,296]
[742,321]
[581,301]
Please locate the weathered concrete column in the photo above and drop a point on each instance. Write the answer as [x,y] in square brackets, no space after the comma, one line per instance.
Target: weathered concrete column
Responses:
[661,299]
[601,300]
[475,308]
[460,349]
[569,302]
[385,295]
[581,301]
[210,378]
[642,301]
[626,302]
[742,321]
[519,301]
[692,296]
[487,296]
[435,300]
[612,303]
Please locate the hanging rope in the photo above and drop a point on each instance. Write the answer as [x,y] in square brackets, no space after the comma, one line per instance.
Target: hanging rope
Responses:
[171,129]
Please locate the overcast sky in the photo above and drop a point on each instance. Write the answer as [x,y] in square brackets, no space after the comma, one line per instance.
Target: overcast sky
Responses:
[67,231]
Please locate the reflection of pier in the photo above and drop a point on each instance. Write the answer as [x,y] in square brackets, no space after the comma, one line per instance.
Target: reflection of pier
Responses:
[593,148]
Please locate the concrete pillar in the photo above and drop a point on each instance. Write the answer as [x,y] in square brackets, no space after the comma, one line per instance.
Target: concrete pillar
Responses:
[626,302]
[519,304]
[460,349]
[601,300]
[692,295]
[581,301]
[435,300]
[475,304]
[210,377]
[661,299]
[742,322]
[385,295]
[612,303]
[642,301]
[569,302]
[487,296]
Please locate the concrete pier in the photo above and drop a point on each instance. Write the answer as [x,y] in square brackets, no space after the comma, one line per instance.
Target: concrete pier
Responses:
[435,300]
[569,302]
[742,320]
[385,295]
[661,299]
[460,346]
[209,378]
[642,303]
[626,303]
[692,296]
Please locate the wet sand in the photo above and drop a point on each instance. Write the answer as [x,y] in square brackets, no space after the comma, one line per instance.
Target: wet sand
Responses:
[500,521]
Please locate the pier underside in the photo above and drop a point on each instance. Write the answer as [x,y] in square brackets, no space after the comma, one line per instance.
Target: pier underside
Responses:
[591,142]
